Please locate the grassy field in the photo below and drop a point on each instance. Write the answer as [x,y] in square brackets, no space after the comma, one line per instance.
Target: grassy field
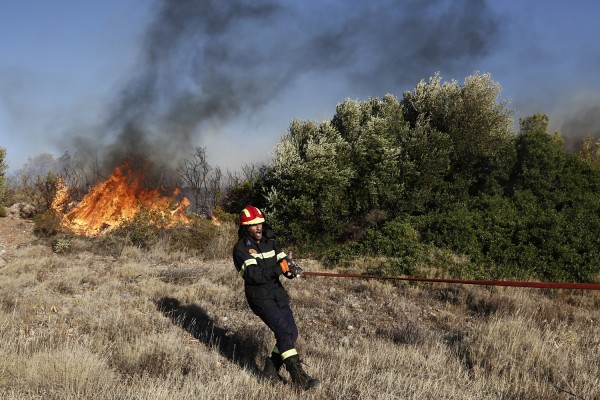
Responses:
[158,324]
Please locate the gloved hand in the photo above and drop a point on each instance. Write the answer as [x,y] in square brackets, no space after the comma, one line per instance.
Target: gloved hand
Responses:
[293,271]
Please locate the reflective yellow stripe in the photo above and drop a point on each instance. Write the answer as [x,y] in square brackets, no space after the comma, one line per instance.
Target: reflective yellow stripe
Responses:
[255,221]
[289,353]
[268,254]
[250,261]
[280,256]
[246,263]
[275,350]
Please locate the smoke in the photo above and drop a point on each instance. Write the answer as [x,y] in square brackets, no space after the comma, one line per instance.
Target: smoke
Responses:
[574,110]
[583,122]
[204,63]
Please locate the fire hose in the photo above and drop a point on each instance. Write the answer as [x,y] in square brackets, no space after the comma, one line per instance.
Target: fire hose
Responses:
[539,285]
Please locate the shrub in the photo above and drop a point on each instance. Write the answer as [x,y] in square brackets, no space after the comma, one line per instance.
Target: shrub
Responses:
[195,237]
[395,239]
[224,216]
[141,230]
[458,229]
[47,223]
[147,227]
[61,244]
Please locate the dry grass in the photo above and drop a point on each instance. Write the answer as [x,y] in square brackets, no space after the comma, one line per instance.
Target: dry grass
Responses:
[157,324]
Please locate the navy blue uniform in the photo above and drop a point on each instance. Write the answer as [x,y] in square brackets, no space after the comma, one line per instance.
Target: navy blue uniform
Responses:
[258,264]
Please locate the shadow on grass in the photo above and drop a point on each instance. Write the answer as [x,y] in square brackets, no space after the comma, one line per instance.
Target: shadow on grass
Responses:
[237,349]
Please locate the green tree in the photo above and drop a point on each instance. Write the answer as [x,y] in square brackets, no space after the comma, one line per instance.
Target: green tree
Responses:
[382,158]
[557,197]
[441,169]
[540,158]
[341,177]
[477,123]
[397,167]
[308,180]
[590,150]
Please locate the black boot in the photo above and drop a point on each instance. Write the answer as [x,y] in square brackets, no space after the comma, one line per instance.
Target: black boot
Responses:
[277,361]
[272,366]
[300,378]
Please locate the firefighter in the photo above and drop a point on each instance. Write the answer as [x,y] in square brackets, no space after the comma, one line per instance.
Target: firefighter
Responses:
[260,261]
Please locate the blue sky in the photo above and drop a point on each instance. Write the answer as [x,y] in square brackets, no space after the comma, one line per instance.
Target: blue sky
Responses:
[97,78]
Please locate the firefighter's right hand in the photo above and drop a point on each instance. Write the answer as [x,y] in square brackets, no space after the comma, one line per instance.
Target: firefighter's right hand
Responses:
[289,275]
[293,270]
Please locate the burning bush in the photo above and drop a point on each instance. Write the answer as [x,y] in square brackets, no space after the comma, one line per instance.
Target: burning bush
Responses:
[120,211]
[121,199]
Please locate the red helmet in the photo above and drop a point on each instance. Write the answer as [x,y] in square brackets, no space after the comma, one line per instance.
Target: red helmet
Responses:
[251,216]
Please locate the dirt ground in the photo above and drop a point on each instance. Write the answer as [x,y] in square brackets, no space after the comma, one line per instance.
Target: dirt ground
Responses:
[14,233]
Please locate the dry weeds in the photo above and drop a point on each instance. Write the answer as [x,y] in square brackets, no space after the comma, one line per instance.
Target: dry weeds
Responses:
[160,325]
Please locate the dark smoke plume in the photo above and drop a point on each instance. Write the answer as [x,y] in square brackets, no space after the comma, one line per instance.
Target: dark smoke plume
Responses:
[206,62]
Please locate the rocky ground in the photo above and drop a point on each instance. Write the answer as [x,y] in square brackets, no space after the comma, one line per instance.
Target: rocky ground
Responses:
[15,232]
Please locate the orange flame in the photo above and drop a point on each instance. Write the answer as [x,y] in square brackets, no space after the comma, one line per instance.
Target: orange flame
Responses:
[118,199]
[214,219]
[61,196]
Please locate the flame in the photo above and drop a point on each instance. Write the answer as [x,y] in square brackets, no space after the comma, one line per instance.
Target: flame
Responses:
[117,199]
[216,221]
[61,196]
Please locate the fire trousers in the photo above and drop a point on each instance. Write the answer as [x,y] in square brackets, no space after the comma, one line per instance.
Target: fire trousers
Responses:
[280,320]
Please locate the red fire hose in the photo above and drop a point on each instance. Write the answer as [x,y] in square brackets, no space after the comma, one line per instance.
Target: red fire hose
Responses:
[541,285]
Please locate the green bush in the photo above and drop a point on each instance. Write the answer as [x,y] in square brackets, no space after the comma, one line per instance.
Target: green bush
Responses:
[395,239]
[195,237]
[142,230]
[47,223]
[458,229]
[147,228]
[224,216]
[62,244]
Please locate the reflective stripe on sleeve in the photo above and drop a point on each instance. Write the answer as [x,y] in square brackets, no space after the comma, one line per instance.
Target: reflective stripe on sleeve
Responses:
[280,256]
[246,263]
[250,261]
[289,353]
[268,254]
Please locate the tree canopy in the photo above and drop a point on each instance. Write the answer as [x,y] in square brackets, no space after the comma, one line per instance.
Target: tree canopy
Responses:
[441,168]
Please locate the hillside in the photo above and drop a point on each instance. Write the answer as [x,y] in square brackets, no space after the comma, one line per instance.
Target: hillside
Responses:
[154,324]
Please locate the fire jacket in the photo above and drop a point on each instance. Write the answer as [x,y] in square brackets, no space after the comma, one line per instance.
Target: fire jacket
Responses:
[258,264]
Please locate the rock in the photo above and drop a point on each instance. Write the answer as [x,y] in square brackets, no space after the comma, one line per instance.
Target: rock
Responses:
[2,263]
[22,210]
